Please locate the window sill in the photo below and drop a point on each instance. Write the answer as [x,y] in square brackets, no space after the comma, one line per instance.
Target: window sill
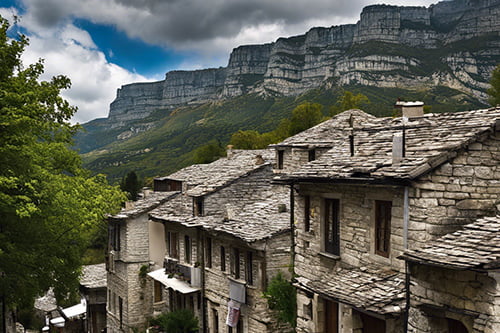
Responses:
[329,255]
[240,281]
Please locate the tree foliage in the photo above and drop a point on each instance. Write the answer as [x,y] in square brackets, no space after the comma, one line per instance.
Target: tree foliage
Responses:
[494,90]
[349,101]
[132,185]
[305,116]
[180,321]
[282,297]
[208,152]
[48,203]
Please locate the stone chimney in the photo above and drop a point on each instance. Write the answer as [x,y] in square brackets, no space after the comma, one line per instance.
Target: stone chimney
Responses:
[397,148]
[129,205]
[412,109]
[229,152]
[259,160]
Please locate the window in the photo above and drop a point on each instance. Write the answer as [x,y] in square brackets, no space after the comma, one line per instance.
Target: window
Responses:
[331,226]
[215,321]
[222,258]
[114,236]
[307,210]
[456,326]
[198,206]
[187,249]
[173,245]
[383,227]
[208,253]
[158,291]
[281,154]
[120,307]
[311,155]
[249,268]
[235,263]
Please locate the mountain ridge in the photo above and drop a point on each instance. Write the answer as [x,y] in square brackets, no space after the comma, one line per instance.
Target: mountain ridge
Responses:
[326,57]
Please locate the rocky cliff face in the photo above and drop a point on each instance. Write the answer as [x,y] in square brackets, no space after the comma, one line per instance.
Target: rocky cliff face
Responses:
[452,43]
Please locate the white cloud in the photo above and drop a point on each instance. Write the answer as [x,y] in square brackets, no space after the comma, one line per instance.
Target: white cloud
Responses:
[70,51]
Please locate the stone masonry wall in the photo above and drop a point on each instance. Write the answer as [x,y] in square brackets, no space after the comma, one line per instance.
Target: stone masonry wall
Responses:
[356,228]
[244,190]
[124,282]
[467,296]
[457,193]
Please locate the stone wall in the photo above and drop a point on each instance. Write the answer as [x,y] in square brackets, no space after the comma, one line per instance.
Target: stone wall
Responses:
[244,190]
[124,282]
[471,298]
[457,193]
[356,228]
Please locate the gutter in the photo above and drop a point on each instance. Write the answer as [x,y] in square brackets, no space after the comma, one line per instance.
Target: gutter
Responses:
[406,217]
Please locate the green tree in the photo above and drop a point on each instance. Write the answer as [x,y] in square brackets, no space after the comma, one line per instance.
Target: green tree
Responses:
[132,185]
[349,101]
[282,298]
[494,90]
[208,153]
[180,321]
[49,205]
[305,116]
[247,140]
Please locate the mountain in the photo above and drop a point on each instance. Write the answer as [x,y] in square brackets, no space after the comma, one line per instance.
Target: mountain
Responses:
[444,53]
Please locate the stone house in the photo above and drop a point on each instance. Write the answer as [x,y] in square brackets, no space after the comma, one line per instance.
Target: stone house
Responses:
[93,287]
[469,261]
[131,246]
[156,258]
[368,189]
[236,254]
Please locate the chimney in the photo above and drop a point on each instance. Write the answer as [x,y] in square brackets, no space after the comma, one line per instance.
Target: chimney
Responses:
[412,109]
[229,151]
[146,192]
[397,148]
[259,160]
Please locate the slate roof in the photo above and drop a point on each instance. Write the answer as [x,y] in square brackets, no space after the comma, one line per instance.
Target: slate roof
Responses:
[143,205]
[206,178]
[94,276]
[431,140]
[330,132]
[367,288]
[257,221]
[475,247]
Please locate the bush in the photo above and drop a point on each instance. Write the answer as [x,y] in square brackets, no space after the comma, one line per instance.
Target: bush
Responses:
[180,321]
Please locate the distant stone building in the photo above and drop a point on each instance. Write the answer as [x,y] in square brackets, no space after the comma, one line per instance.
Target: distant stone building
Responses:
[212,240]
[368,190]
[93,287]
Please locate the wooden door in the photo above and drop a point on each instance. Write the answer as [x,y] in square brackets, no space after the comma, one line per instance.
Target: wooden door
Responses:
[331,317]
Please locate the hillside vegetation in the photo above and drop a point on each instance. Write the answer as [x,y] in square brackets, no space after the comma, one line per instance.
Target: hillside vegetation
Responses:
[172,137]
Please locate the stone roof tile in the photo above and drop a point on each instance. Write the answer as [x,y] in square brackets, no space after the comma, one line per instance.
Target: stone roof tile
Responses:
[475,247]
[205,178]
[144,204]
[430,140]
[368,288]
[257,221]
[94,276]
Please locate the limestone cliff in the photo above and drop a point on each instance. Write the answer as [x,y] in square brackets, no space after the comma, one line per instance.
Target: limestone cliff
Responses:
[452,43]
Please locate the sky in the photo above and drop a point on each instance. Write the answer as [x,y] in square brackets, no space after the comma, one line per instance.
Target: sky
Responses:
[103,44]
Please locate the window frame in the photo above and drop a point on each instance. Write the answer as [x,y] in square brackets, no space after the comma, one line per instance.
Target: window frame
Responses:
[188,252]
[249,268]
[331,223]
[173,244]
[307,211]
[382,229]
[222,258]
[280,158]
[208,252]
